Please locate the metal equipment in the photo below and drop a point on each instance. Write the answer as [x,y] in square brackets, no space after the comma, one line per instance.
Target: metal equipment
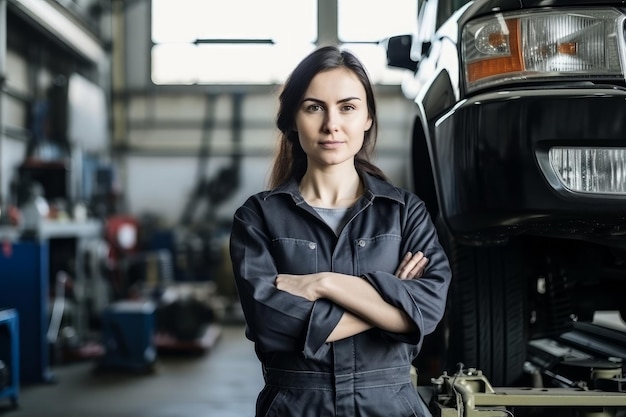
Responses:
[468,393]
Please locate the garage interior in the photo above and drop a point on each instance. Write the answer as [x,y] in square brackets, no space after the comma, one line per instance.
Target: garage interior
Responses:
[130,131]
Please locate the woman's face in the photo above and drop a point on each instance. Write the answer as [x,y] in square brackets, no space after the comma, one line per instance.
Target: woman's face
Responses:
[332,118]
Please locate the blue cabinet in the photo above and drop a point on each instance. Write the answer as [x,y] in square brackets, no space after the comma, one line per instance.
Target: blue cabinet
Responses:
[24,287]
[128,335]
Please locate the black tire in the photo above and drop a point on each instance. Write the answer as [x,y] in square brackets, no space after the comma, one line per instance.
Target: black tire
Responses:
[485,321]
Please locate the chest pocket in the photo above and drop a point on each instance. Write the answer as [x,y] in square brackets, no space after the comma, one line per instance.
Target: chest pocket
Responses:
[379,253]
[295,256]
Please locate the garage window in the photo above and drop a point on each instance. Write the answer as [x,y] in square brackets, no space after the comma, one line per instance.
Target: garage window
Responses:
[230,42]
[259,42]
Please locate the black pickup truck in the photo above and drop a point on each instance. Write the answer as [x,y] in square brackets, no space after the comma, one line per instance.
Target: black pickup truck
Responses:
[519,152]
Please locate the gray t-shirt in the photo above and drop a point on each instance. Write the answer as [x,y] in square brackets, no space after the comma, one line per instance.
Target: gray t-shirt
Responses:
[334,217]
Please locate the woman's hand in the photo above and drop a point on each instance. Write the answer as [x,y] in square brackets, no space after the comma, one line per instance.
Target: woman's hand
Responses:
[411,266]
[305,286]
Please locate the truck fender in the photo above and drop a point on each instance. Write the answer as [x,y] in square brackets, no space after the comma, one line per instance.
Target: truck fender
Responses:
[434,99]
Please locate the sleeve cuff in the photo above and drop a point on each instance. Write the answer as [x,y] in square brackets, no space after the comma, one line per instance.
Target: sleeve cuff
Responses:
[323,319]
[404,300]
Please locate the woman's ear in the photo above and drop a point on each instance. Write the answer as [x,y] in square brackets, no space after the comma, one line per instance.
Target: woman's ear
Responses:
[369,123]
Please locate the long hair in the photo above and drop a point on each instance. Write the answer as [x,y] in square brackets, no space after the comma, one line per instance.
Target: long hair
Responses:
[290,160]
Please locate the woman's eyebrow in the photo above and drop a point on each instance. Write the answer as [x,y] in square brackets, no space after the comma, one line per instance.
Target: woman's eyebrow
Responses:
[316,100]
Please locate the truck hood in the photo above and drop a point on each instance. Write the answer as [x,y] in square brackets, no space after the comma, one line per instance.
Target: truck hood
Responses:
[559,3]
[481,7]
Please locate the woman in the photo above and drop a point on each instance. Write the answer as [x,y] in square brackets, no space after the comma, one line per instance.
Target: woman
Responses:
[339,273]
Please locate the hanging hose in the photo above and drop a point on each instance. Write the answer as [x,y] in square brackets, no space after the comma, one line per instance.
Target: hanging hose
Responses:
[58,307]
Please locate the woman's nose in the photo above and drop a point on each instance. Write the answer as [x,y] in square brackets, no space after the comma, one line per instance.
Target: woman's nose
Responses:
[331,122]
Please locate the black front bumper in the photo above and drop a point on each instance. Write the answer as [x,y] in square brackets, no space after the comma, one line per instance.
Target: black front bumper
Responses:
[490,162]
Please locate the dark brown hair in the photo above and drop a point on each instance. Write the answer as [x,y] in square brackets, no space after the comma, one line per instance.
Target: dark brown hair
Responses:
[290,161]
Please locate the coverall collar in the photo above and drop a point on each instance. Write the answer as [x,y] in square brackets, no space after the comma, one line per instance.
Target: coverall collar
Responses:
[374,188]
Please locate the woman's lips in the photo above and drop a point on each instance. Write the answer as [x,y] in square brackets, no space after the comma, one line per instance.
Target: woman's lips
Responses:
[331,144]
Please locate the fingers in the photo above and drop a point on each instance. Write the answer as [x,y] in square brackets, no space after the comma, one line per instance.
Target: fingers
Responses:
[419,268]
[412,266]
[403,263]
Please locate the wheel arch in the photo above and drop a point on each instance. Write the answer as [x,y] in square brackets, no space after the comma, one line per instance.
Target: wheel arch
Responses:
[436,97]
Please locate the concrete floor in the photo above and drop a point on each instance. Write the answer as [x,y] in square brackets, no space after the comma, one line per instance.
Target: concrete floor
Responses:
[223,382]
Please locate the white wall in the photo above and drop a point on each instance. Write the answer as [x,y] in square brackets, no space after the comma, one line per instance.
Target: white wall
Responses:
[163,185]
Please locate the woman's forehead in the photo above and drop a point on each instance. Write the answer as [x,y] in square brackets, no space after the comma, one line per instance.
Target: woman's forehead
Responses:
[336,83]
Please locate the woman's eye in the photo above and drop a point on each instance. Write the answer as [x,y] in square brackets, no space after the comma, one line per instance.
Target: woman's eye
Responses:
[314,108]
[348,107]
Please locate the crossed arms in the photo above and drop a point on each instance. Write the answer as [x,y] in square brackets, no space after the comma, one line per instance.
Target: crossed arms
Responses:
[365,307]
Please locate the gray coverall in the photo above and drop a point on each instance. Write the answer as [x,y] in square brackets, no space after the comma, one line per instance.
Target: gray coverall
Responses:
[277,232]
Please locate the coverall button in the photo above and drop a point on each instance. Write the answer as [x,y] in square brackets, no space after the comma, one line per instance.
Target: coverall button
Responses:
[312,245]
[362,243]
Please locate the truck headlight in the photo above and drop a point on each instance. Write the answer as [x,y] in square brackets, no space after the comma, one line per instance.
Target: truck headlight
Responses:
[590,170]
[542,45]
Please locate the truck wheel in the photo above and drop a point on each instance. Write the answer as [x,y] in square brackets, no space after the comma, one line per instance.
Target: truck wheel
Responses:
[485,320]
